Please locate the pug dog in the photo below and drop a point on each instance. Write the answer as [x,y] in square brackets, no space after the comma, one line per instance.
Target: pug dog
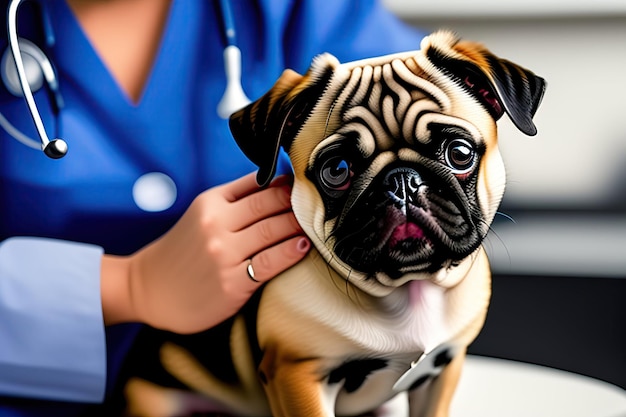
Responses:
[397,178]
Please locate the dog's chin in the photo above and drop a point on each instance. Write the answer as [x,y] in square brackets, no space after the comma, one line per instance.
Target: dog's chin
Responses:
[380,284]
[397,252]
[400,251]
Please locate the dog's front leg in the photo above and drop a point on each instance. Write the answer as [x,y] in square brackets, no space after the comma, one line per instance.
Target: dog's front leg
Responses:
[295,387]
[433,398]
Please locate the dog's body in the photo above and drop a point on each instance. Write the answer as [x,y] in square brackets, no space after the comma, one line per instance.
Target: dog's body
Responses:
[397,177]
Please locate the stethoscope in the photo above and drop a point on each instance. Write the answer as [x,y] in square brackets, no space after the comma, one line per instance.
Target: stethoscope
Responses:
[24,67]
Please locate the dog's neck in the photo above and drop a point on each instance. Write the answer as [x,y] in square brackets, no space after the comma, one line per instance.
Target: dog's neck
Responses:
[434,303]
[420,305]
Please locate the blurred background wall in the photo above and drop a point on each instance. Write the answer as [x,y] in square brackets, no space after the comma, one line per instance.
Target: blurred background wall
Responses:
[560,265]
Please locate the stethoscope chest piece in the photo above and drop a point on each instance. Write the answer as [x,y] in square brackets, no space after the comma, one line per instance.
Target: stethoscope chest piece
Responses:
[32,58]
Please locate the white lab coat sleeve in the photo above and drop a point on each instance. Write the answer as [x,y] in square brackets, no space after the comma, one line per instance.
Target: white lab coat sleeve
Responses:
[52,337]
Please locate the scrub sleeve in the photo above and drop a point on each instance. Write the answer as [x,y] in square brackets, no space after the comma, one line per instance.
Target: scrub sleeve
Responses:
[51,349]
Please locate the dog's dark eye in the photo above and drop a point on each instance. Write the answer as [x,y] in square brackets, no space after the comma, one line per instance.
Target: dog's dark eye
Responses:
[335,174]
[460,155]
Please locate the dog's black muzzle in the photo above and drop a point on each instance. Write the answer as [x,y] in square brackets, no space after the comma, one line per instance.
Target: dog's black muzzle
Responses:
[403,186]
[409,219]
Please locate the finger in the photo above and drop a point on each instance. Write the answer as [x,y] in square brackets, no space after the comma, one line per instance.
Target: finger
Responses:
[276,259]
[247,185]
[240,187]
[258,206]
[266,233]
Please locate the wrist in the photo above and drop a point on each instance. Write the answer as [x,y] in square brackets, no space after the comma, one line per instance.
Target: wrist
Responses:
[115,289]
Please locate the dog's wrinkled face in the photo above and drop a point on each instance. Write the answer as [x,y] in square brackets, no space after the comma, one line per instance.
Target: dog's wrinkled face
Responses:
[405,206]
[397,169]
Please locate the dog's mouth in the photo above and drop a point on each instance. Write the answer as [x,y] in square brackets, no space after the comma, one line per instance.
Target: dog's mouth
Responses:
[403,238]
[404,224]
[406,235]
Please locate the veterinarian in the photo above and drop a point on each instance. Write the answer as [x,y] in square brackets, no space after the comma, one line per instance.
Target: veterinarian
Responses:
[143,210]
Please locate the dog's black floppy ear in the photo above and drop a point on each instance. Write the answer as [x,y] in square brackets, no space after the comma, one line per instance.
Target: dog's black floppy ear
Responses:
[272,121]
[500,85]
[257,127]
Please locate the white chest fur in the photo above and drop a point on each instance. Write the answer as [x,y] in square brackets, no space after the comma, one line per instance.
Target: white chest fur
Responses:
[317,312]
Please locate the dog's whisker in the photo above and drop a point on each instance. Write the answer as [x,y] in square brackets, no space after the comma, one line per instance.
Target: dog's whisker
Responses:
[506,216]
[497,236]
[347,283]
[350,235]
[353,202]
[328,116]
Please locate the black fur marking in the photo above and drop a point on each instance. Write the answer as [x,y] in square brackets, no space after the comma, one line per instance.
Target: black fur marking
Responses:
[421,381]
[518,90]
[260,129]
[355,372]
[211,348]
[442,359]
[469,76]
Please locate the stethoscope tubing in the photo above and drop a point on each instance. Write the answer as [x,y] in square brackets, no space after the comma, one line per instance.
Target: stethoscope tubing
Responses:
[21,73]
[234,97]
[56,148]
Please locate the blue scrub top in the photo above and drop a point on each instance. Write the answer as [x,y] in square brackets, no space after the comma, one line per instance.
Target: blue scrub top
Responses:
[91,194]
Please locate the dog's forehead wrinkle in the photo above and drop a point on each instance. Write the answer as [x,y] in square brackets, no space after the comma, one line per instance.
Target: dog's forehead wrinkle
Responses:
[421,82]
[436,122]
[365,86]
[402,98]
[351,87]
[390,117]
[390,98]
[364,121]
[411,124]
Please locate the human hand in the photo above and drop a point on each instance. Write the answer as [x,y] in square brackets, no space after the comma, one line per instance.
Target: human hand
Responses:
[195,276]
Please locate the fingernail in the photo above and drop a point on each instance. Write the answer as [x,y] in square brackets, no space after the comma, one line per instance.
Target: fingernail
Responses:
[303,245]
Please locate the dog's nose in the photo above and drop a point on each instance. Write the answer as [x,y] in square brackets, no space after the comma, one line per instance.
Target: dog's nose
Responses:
[403,184]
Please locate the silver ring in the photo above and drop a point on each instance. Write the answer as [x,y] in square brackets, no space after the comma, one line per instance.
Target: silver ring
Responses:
[250,271]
